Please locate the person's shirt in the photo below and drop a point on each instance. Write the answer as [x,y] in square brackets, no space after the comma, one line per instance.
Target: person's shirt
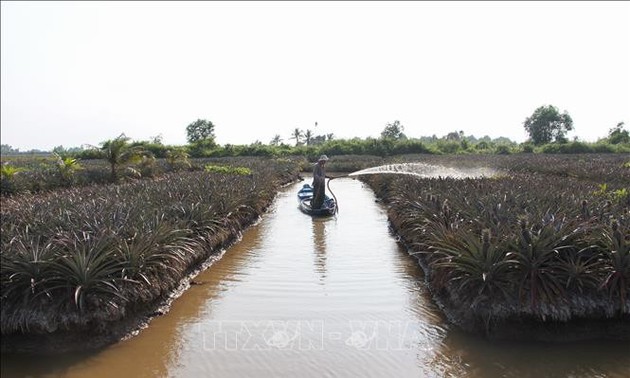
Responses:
[319,173]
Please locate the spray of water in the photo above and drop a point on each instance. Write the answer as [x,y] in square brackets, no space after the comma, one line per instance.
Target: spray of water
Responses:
[426,170]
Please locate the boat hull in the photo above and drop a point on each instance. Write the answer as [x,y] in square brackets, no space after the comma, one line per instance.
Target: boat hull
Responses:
[305,196]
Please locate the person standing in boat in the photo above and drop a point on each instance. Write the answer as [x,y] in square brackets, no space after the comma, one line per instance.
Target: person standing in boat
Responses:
[319,182]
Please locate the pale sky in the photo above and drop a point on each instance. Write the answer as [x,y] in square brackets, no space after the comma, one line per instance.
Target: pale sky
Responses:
[80,73]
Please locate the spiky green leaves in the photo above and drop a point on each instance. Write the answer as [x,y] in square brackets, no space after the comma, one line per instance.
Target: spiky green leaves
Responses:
[539,241]
[100,249]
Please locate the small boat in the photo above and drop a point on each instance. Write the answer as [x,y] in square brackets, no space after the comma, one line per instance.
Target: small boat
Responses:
[305,195]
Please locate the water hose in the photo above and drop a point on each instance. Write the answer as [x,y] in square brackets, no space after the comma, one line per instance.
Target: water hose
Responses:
[333,194]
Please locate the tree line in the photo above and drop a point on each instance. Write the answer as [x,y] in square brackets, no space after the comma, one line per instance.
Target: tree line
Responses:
[547,128]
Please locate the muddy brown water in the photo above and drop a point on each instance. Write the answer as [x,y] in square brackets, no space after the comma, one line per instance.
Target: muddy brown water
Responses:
[334,297]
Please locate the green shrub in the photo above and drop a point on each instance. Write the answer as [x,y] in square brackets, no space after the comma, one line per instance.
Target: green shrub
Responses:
[502,149]
[242,171]
[448,147]
[527,148]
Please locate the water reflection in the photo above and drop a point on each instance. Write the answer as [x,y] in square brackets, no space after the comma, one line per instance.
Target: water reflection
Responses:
[536,359]
[319,243]
[26,365]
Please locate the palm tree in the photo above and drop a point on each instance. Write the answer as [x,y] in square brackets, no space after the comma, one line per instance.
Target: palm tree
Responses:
[118,152]
[66,166]
[297,135]
[276,140]
[8,171]
[308,136]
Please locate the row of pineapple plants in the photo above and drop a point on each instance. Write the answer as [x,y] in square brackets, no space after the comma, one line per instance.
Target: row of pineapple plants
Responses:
[83,258]
[526,245]
[600,168]
[50,172]
[45,173]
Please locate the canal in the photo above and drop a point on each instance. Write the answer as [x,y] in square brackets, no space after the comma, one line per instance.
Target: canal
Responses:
[333,297]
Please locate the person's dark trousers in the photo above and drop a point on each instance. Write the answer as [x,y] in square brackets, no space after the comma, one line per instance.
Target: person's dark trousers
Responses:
[318,195]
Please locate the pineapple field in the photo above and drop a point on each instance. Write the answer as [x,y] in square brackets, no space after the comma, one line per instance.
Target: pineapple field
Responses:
[92,261]
[541,245]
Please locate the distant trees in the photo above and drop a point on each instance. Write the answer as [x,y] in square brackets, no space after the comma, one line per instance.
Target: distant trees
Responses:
[618,135]
[200,130]
[60,150]
[5,149]
[297,134]
[318,140]
[547,124]
[276,141]
[455,135]
[308,137]
[200,135]
[393,131]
